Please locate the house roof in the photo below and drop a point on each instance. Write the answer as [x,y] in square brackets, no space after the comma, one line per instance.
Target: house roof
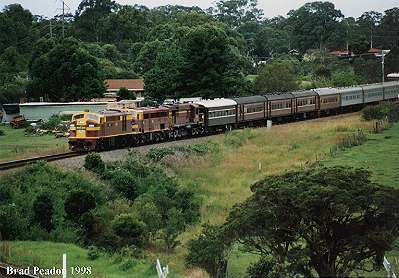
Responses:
[130,84]
[374,50]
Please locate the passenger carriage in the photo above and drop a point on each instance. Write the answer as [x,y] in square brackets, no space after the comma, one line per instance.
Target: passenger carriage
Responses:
[351,98]
[306,103]
[280,105]
[329,100]
[218,113]
[373,93]
[249,109]
[391,91]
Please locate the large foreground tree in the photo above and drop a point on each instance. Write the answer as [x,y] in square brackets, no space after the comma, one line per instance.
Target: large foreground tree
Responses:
[325,221]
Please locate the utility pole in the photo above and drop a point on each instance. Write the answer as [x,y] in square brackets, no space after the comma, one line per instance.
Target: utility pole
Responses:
[383,67]
[63,19]
[383,53]
[51,29]
[371,34]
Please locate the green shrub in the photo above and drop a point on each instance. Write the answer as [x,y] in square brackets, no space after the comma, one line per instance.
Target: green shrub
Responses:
[129,228]
[157,154]
[382,111]
[123,182]
[237,138]
[43,211]
[78,203]
[2,132]
[93,253]
[94,163]
[51,123]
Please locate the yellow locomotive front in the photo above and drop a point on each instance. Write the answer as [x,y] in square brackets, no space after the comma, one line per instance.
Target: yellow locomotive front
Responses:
[84,131]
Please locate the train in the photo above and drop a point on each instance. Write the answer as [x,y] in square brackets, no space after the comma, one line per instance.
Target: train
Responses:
[118,128]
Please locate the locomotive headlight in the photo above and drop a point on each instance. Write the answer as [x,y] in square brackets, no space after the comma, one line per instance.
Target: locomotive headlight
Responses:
[72,126]
[91,125]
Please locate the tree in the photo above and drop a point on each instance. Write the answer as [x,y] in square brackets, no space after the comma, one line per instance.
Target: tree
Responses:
[174,226]
[269,41]
[333,220]
[66,72]
[89,17]
[43,212]
[149,213]
[368,23]
[165,78]
[392,61]
[147,56]
[344,78]
[390,27]
[368,69]
[124,93]
[130,24]
[212,63]
[313,24]
[128,227]
[77,203]
[236,12]
[209,251]
[276,77]
[16,28]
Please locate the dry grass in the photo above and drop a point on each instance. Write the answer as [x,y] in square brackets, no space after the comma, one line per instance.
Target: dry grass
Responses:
[223,179]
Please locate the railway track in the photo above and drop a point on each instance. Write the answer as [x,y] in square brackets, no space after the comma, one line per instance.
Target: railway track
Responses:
[22,162]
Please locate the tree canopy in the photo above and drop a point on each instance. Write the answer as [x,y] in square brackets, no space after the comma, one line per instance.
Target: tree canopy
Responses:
[228,40]
[329,221]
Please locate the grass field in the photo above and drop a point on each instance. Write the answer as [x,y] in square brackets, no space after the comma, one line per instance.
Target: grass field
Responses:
[380,155]
[15,145]
[49,254]
[246,156]
[223,178]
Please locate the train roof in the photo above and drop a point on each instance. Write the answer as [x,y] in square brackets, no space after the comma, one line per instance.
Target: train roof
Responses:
[250,99]
[217,102]
[305,93]
[326,91]
[279,96]
[372,86]
[350,89]
[391,84]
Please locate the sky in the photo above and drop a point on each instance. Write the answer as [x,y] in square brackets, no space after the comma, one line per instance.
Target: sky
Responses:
[271,8]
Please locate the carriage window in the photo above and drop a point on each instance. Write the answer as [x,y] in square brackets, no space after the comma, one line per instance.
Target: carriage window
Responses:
[79,116]
[112,118]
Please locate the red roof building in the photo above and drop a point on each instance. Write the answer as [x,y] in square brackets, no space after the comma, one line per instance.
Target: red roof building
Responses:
[133,85]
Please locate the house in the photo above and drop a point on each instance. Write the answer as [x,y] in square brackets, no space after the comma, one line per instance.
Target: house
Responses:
[342,54]
[35,111]
[133,85]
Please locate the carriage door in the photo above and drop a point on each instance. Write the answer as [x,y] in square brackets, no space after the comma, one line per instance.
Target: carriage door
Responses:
[124,123]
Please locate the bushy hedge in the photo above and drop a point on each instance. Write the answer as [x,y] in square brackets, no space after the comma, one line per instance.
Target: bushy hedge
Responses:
[133,202]
[33,200]
[157,154]
[382,111]
[146,193]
